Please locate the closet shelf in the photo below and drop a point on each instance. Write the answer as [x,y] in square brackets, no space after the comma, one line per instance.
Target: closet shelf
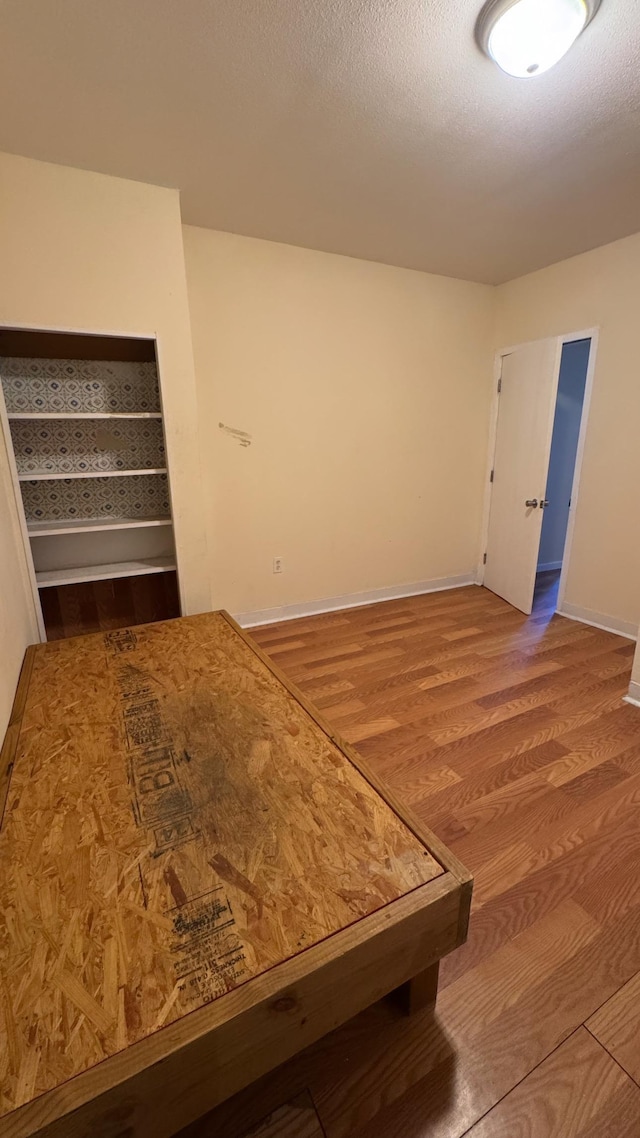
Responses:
[91,525]
[84,415]
[105,572]
[50,475]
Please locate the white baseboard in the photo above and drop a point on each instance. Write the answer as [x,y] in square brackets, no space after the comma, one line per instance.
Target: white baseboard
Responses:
[352,600]
[633,695]
[600,620]
[546,566]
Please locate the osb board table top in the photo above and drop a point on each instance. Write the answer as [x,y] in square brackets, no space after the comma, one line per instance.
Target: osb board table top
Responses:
[176,824]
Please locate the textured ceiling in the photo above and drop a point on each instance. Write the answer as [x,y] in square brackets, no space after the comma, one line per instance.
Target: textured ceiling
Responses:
[374,128]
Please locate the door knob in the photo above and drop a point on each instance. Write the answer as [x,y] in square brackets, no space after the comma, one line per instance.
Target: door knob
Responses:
[544,502]
[531,502]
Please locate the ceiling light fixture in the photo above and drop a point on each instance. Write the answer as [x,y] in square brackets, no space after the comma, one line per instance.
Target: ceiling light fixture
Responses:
[526,37]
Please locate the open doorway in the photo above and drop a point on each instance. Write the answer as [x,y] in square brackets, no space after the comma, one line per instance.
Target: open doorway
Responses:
[556,505]
[542,397]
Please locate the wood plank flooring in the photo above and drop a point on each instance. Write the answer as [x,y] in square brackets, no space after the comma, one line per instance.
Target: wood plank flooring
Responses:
[509,737]
[297,1119]
[100,606]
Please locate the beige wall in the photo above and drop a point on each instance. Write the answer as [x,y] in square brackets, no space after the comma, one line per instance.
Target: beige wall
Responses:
[85,252]
[600,288]
[365,390]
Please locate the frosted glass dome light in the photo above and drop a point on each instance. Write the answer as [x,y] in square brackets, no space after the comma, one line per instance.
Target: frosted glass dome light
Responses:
[526,37]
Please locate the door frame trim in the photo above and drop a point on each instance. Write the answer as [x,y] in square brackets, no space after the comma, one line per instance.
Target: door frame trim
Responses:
[565,338]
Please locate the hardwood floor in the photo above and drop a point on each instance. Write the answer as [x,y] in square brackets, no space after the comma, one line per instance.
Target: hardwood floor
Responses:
[509,737]
[100,606]
[297,1119]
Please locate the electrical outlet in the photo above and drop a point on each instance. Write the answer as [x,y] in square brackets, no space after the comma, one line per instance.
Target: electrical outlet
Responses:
[277,565]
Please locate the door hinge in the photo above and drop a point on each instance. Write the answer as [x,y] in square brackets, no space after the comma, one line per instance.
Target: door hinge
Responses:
[491,476]
[500,385]
[484,559]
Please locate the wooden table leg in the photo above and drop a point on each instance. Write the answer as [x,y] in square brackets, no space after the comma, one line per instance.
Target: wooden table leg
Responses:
[421,992]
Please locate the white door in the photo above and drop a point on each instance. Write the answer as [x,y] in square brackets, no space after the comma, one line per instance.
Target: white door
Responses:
[526,406]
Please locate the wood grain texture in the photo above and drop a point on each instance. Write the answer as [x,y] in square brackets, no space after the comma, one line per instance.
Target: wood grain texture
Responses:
[577,1092]
[616,1025]
[181,835]
[297,1119]
[100,606]
[10,742]
[420,992]
[513,743]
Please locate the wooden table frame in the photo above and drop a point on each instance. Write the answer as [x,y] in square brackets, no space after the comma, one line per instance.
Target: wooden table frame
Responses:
[160,1084]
